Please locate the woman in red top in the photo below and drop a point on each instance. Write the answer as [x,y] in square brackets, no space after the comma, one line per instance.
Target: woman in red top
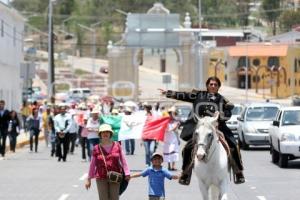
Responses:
[111,153]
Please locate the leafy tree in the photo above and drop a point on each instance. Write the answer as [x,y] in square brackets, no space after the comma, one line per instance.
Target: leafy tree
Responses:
[288,19]
[271,12]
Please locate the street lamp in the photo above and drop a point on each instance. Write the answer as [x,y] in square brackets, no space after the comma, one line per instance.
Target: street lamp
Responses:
[199,69]
[50,52]
[92,29]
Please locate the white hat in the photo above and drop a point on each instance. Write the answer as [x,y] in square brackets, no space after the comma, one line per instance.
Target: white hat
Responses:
[105,127]
[95,111]
[128,109]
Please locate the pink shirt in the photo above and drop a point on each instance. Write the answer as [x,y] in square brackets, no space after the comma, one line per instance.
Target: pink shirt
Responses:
[108,149]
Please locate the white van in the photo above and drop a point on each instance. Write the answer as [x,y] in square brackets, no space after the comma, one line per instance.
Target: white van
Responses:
[79,92]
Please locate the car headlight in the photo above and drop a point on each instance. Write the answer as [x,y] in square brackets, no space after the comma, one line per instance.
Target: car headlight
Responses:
[287,137]
[250,129]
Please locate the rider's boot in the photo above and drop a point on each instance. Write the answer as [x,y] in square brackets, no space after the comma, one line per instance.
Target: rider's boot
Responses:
[187,164]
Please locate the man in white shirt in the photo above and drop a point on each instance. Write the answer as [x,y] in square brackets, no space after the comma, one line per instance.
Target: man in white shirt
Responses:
[62,125]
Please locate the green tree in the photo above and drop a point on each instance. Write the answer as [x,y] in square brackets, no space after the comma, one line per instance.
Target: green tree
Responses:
[288,19]
[271,12]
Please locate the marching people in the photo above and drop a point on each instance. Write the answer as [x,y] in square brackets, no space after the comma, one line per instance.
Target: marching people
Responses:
[206,103]
[83,139]
[61,125]
[13,130]
[4,119]
[92,126]
[25,112]
[171,141]
[73,131]
[107,157]
[149,144]
[129,143]
[34,123]
[156,177]
[45,120]
[52,133]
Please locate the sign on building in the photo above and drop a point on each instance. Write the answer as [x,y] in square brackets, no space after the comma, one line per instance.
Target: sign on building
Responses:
[152,30]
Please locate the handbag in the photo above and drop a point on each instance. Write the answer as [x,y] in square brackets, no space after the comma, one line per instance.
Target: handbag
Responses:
[112,176]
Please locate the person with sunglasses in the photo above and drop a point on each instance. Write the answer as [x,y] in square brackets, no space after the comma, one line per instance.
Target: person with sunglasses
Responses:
[206,103]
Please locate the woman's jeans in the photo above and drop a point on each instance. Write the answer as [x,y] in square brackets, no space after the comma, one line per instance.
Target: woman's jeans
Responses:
[149,150]
[91,143]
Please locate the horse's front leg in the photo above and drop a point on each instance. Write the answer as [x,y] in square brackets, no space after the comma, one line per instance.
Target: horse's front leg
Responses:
[203,189]
[223,189]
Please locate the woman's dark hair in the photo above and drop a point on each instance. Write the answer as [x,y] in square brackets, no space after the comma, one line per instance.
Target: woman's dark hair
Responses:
[213,78]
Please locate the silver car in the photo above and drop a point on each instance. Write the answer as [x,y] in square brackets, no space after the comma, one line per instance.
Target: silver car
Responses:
[254,123]
[232,123]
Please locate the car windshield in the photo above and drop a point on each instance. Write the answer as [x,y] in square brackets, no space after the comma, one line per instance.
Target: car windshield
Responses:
[261,113]
[291,117]
[236,110]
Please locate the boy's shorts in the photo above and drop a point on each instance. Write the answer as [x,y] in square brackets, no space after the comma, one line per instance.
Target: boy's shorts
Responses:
[156,198]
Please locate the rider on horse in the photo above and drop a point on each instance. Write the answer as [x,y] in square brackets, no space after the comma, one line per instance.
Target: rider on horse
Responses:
[206,103]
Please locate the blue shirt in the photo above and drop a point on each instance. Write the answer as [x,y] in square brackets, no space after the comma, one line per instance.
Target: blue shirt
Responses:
[156,180]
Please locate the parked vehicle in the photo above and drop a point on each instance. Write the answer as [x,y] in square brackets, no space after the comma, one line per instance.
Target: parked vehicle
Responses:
[254,122]
[79,93]
[232,123]
[183,110]
[285,136]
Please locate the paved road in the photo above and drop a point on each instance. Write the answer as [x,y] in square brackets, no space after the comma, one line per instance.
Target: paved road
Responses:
[35,176]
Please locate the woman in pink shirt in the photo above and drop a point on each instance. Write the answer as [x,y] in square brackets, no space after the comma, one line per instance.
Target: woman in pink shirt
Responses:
[109,158]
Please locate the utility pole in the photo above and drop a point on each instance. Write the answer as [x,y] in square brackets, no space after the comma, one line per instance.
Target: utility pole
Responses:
[51,71]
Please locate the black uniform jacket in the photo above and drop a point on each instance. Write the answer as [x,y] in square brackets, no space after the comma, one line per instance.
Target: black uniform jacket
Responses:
[204,104]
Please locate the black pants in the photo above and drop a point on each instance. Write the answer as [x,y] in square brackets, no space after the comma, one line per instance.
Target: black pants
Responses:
[84,147]
[188,148]
[62,147]
[13,141]
[34,134]
[72,140]
[3,135]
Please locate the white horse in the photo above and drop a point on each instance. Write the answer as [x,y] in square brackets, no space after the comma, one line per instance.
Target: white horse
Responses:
[211,161]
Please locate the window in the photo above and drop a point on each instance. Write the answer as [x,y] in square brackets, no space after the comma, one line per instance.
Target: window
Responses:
[273,61]
[242,62]
[295,65]
[256,62]
[225,77]
[289,82]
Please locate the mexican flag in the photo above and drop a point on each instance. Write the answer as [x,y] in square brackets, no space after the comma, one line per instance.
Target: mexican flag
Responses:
[140,126]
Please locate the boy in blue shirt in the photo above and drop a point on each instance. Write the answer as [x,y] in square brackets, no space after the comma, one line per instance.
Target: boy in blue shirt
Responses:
[156,176]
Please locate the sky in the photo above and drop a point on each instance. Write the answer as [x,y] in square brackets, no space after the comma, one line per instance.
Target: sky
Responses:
[4,1]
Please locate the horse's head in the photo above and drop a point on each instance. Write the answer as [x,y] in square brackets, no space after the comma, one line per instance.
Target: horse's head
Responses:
[206,136]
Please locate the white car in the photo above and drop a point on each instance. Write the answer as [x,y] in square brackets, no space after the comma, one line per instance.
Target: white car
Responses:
[254,123]
[232,123]
[285,136]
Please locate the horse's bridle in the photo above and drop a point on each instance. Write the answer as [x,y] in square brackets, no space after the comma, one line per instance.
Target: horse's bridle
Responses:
[207,147]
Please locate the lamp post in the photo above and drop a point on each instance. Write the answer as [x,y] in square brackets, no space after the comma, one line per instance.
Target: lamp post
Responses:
[51,80]
[246,72]
[199,68]
[94,47]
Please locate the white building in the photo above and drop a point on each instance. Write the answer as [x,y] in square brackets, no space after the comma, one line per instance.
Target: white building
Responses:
[11,56]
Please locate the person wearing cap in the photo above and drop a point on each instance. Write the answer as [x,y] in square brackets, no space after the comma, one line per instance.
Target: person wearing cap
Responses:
[92,126]
[129,143]
[107,156]
[156,177]
[171,140]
